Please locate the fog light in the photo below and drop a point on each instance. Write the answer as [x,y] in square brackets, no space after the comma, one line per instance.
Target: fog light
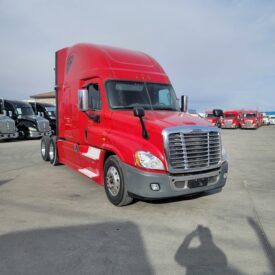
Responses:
[225,175]
[155,186]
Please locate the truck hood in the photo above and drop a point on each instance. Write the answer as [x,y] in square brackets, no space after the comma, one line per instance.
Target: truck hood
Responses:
[33,119]
[156,120]
[126,131]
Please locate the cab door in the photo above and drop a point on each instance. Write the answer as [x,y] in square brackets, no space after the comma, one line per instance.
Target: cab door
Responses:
[95,129]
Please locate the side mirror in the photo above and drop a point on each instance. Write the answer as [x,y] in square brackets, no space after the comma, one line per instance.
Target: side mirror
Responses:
[83,100]
[10,113]
[139,112]
[42,114]
[183,106]
[217,112]
[5,113]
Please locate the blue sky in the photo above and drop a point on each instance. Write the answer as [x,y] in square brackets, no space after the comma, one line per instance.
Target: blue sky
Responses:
[219,53]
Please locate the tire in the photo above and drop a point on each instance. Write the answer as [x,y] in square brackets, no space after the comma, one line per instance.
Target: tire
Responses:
[22,135]
[114,183]
[53,154]
[45,143]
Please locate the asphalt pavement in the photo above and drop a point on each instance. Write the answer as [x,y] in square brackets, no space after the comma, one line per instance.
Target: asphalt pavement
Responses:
[56,221]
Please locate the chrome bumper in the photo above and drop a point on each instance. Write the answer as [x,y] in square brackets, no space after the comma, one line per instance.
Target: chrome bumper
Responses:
[8,136]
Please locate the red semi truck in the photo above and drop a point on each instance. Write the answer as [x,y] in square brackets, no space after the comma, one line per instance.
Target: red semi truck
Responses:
[209,116]
[119,123]
[250,119]
[231,119]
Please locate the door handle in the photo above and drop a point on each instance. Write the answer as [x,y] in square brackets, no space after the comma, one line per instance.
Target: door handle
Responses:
[86,134]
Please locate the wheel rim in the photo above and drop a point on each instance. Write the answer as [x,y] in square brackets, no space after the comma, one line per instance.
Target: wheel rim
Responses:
[113,181]
[43,148]
[51,151]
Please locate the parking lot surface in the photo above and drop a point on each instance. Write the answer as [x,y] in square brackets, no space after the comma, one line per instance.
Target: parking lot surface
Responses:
[55,221]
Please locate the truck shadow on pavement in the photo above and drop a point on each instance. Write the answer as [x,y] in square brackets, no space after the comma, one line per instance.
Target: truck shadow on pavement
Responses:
[2,182]
[207,258]
[106,248]
[267,247]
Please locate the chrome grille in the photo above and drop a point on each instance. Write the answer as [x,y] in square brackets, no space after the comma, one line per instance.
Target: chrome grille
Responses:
[248,122]
[228,122]
[7,126]
[194,150]
[43,125]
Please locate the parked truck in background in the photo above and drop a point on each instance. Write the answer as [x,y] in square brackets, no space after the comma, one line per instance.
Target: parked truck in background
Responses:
[250,119]
[46,110]
[8,129]
[260,118]
[231,119]
[209,116]
[119,124]
[28,124]
[272,119]
[266,119]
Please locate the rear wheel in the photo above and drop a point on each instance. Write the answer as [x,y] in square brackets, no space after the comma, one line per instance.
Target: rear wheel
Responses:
[53,154]
[114,184]
[45,143]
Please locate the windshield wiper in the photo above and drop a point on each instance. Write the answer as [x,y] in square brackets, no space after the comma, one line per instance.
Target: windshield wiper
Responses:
[122,107]
[165,108]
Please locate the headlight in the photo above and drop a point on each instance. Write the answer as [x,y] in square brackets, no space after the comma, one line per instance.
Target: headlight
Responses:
[224,155]
[32,129]
[147,160]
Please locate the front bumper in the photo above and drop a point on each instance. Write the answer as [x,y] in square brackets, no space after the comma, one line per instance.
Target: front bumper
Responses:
[34,134]
[8,136]
[249,126]
[229,126]
[138,182]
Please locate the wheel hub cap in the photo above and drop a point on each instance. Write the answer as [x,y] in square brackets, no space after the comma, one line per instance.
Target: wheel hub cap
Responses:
[113,181]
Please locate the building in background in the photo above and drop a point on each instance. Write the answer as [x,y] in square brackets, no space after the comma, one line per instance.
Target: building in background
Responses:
[48,97]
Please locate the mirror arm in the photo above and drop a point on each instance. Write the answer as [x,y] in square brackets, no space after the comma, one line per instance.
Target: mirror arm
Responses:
[95,118]
[145,134]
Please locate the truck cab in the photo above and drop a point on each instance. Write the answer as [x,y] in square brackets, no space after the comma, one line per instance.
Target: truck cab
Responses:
[7,124]
[266,119]
[250,119]
[119,123]
[47,111]
[29,125]
[209,116]
[231,119]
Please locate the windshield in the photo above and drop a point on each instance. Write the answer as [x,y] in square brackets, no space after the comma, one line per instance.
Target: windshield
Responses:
[209,115]
[150,96]
[249,115]
[229,115]
[24,111]
[51,110]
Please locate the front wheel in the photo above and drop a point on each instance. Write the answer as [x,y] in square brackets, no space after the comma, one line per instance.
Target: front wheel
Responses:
[114,184]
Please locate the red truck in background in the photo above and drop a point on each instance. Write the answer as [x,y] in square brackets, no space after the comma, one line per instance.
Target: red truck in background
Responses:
[250,119]
[119,123]
[209,116]
[260,118]
[231,119]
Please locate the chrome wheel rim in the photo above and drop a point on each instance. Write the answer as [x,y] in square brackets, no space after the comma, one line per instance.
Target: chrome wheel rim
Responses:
[43,148]
[113,181]
[51,151]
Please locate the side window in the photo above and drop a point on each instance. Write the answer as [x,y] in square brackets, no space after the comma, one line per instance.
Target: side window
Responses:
[164,97]
[95,102]
[69,63]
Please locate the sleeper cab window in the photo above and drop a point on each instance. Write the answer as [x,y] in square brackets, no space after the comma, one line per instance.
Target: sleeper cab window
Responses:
[95,102]
[69,63]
